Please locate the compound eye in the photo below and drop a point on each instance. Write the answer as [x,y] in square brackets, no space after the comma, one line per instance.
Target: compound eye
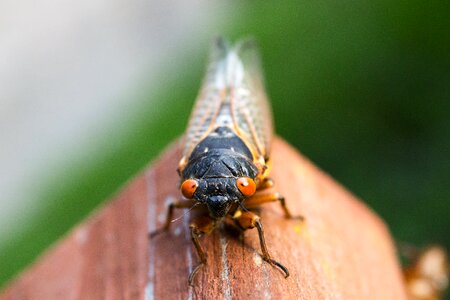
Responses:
[188,188]
[246,185]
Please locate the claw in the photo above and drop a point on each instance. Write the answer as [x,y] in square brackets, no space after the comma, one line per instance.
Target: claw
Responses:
[277,264]
[194,272]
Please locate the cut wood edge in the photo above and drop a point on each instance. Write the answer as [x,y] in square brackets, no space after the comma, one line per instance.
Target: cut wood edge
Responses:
[342,250]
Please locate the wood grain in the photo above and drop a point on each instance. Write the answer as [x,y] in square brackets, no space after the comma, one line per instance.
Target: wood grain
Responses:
[342,251]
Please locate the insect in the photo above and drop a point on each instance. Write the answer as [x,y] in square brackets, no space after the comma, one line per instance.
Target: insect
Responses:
[226,157]
[427,275]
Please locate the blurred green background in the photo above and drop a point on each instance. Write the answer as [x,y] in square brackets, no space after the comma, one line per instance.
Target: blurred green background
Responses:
[360,87]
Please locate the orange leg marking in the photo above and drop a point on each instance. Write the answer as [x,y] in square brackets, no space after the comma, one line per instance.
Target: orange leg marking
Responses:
[266,183]
[262,198]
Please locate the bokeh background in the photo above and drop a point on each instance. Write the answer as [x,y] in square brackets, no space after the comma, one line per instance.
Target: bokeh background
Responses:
[92,91]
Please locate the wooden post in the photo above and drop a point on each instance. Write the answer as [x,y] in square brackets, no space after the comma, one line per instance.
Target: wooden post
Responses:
[342,250]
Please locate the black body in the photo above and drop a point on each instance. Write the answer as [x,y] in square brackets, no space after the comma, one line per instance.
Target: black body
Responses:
[216,163]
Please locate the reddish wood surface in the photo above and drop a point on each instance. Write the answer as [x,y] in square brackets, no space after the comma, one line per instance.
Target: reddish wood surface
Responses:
[342,251]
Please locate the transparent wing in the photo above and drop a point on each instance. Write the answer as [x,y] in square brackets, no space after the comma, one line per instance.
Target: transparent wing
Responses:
[232,95]
[251,111]
[209,100]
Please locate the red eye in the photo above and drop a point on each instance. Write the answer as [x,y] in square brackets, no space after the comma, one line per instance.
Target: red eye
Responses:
[246,185]
[188,188]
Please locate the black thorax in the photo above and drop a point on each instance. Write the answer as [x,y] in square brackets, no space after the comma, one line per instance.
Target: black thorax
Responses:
[222,154]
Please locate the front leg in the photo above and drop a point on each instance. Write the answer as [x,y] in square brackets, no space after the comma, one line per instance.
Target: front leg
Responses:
[200,226]
[248,220]
[266,255]
[177,204]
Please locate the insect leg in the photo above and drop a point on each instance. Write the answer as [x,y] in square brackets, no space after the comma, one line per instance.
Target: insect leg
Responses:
[197,228]
[266,254]
[248,220]
[260,198]
[265,184]
[177,204]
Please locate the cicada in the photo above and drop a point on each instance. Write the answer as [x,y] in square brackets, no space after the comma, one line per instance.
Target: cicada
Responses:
[226,155]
